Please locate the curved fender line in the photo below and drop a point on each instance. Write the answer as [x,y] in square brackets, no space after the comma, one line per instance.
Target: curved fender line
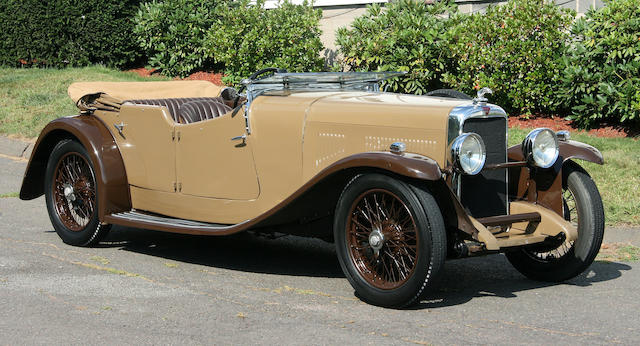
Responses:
[111,177]
[568,150]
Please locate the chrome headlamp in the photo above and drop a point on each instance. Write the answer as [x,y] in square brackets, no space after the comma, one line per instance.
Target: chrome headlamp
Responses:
[468,153]
[541,147]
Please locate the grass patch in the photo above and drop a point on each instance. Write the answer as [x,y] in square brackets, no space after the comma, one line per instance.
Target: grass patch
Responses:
[30,97]
[619,252]
[618,179]
[10,195]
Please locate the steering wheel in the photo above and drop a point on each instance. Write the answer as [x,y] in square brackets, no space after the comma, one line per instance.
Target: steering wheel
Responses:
[255,75]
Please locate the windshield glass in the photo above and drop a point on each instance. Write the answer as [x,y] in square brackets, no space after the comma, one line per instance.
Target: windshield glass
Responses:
[321,80]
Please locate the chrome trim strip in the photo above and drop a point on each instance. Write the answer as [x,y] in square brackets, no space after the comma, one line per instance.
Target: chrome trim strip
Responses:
[457,118]
[168,221]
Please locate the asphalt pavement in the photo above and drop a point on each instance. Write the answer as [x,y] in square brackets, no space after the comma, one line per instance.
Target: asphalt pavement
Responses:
[145,287]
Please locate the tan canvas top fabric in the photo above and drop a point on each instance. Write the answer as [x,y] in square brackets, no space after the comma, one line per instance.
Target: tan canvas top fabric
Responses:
[145,90]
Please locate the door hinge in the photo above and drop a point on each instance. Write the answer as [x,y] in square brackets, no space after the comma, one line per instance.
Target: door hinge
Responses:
[175,187]
[178,136]
[173,134]
[179,187]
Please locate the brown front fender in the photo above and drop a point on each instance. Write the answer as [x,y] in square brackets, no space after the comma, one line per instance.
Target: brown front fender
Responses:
[544,186]
[408,165]
[111,178]
[568,150]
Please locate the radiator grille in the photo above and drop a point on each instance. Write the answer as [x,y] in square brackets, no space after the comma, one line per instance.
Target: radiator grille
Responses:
[485,194]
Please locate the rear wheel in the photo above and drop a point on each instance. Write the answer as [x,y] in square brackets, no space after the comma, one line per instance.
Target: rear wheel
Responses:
[583,208]
[71,195]
[390,239]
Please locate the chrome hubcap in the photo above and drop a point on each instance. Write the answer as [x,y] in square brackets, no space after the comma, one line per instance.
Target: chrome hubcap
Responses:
[69,193]
[376,240]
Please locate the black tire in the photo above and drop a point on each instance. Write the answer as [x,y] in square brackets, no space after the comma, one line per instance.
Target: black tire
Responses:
[75,221]
[414,248]
[570,258]
[449,93]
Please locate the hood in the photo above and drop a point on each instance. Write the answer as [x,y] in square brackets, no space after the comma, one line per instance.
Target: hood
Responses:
[382,109]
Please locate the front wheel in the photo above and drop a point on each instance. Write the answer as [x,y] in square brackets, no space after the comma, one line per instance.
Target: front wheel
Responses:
[390,239]
[583,208]
[71,195]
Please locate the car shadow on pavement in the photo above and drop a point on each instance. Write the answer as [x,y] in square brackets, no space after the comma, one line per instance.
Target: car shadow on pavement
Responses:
[461,280]
[247,252]
[494,276]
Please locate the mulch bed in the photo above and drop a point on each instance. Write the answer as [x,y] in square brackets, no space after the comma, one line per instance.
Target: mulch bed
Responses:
[558,123]
[213,77]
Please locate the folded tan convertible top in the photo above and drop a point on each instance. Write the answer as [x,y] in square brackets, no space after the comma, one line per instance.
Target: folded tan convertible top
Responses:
[145,90]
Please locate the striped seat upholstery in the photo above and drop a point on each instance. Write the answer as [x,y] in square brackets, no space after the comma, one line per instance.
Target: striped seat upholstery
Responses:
[173,104]
[200,110]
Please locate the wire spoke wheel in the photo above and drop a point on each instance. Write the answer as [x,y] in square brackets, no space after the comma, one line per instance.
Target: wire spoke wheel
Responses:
[382,238]
[73,192]
[582,207]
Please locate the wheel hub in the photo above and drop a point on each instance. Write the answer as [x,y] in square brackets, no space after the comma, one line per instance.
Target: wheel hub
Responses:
[376,240]
[69,193]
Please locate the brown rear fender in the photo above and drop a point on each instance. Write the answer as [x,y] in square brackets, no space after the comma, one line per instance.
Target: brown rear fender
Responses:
[111,178]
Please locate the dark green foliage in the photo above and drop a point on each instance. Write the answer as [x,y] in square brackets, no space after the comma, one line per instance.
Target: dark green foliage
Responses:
[67,33]
[515,49]
[602,75]
[173,33]
[407,35]
[248,38]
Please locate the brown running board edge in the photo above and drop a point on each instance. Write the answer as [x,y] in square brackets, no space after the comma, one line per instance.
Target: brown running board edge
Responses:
[168,224]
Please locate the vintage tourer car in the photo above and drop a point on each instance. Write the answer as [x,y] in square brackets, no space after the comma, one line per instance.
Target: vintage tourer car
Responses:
[399,182]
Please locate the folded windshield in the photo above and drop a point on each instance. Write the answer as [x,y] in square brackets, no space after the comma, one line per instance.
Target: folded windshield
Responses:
[368,81]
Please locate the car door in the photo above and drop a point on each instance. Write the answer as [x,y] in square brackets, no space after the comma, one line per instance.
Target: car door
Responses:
[145,136]
[211,163]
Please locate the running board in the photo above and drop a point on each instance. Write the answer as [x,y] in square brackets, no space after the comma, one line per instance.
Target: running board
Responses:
[164,223]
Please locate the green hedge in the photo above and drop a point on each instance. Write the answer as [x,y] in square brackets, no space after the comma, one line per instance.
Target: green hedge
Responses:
[602,69]
[406,35]
[68,33]
[173,34]
[248,38]
[515,49]
[235,37]
[535,55]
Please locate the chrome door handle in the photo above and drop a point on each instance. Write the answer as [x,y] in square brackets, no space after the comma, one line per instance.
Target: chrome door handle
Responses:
[120,127]
[243,138]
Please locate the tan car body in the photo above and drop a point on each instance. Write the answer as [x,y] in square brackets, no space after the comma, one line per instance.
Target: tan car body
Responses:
[208,172]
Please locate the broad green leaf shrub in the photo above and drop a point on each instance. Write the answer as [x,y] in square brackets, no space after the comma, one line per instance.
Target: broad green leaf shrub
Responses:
[173,34]
[406,35]
[59,33]
[516,50]
[247,38]
[602,71]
